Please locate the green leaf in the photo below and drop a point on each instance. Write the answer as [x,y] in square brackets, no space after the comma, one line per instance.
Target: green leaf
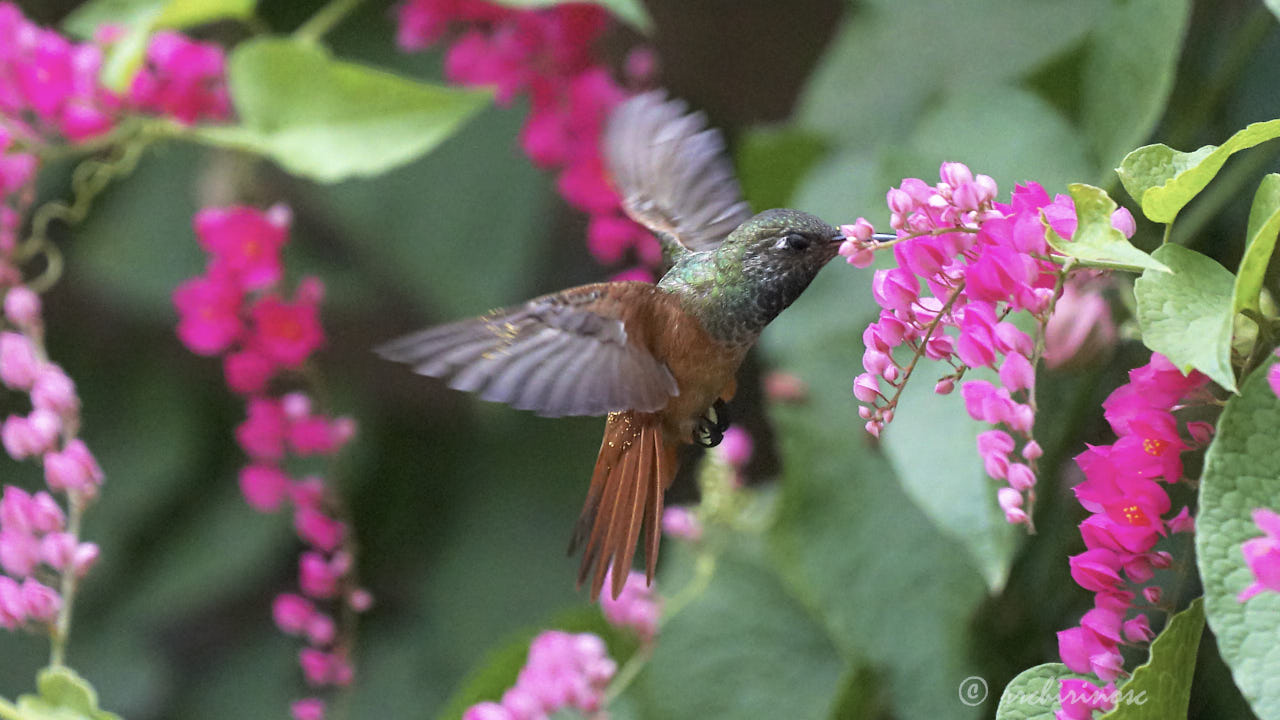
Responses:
[330,120]
[630,11]
[1273,6]
[962,505]
[1260,242]
[1186,314]
[1161,688]
[62,695]
[154,14]
[125,56]
[886,582]
[1128,73]
[1242,473]
[1095,240]
[1034,693]
[772,162]
[721,656]
[1164,180]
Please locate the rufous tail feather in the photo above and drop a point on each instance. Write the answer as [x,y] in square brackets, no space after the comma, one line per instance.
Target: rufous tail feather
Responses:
[632,473]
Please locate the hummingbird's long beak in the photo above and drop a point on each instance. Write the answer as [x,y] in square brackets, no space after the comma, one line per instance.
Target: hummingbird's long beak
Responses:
[884,237]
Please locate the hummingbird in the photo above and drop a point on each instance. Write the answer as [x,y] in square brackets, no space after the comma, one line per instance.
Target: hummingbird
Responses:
[659,360]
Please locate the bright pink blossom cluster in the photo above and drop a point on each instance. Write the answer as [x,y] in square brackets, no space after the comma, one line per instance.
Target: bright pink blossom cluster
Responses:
[1131,511]
[562,671]
[547,54]
[965,264]
[35,545]
[1262,554]
[1079,698]
[236,309]
[636,608]
[49,86]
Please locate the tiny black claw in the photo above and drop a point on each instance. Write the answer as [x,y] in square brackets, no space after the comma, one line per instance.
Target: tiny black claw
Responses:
[719,414]
[711,426]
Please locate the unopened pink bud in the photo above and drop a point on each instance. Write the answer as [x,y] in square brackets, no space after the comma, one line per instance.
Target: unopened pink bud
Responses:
[318,529]
[1021,477]
[1182,522]
[866,388]
[1008,498]
[45,513]
[1201,432]
[19,552]
[1161,559]
[945,386]
[1123,221]
[680,522]
[1016,372]
[360,600]
[986,186]
[19,362]
[1016,516]
[54,391]
[317,666]
[296,405]
[315,576]
[73,469]
[900,202]
[1032,450]
[1152,594]
[955,174]
[13,612]
[57,549]
[307,709]
[41,603]
[264,486]
[85,556]
[292,612]
[873,428]
[22,308]
[321,629]
[861,230]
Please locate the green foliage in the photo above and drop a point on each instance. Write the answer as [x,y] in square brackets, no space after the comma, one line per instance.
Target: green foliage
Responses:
[961,505]
[1260,242]
[1095,239]
[773,161]
[1186,314]
[62,695]
[849,542]
[745,647]
[154,14]
[1161,688]
[1242,472]
[330,120]
[1164,180]
[1034,694]
[631,11]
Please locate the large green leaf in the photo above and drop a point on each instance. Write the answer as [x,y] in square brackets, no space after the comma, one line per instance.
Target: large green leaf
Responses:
[1034,694]
[330,120]
[1260,242]
[1164,180]
[154,13]
[744,647]
[886,582]
[1186,314]
[1161,688]
[773,161]
[1128,72]
[62,695]
[961,501]
[1242,473]
[632,11]
[1095,239]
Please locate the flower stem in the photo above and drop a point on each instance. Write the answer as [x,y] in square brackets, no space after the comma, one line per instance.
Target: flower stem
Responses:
[62,625]
[325,19]
[9,711]
[923,344]
[1076,262]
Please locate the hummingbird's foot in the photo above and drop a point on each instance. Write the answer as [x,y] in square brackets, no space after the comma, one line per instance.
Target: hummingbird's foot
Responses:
[710,428]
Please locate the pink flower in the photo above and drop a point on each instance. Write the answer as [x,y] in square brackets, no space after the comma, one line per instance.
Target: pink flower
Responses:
[72,469]
[182,78]
[55,392]
[1262,555]
[736,447]
[635,608]
[1097,570]
[245,241]
[1080,328]
[262,433]
[307,709]
[317,577]
[40,602]
[318,529]
[680,522]
[248,371]
[21,304]
[19,361]
[13,612]
[292,612]
[1079,698]
[208,313]
[317,666]
[287,333]
[264,486]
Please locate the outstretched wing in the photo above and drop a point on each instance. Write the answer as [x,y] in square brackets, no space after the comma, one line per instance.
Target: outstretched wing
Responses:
[562,354]
[671,172]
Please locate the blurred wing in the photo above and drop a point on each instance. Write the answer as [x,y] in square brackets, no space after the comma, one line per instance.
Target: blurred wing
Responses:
[671,172]
[562,354]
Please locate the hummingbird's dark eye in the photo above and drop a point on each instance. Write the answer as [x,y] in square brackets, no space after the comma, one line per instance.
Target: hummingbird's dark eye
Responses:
[793,241]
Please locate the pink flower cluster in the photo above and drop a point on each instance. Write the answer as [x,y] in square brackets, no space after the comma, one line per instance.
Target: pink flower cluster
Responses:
[965,263]
[1262,555]
[562,671]
[1130,511]
[17,171]
[35,547]
[236,309]
[636,608]
[49,85]
[1079,698]
[547,54]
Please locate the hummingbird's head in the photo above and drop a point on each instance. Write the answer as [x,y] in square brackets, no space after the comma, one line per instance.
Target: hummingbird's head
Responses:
[784,249]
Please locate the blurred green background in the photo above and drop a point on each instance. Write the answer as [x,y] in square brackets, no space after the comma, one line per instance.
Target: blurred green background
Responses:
[882,581]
